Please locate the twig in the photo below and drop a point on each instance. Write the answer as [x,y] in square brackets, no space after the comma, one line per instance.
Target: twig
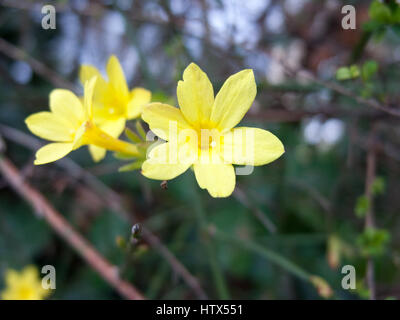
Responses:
[18,54]
[340,89]
[321,285]
[62,227]
[113,201]
[262,250]
[216,271]
[261,216]
[369,217]
[323,202]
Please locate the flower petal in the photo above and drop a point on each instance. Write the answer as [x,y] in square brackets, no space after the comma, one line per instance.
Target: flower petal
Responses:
[88,97]
[195,95]
[234,100]
[47,125]
[66,105]
[167,161]
[116,76]
[52,152]
[112,127]
[97,153]
[162,118]
[139,98]
[87,72]
[29,274]
[251,146]
[218,178]
[11,277]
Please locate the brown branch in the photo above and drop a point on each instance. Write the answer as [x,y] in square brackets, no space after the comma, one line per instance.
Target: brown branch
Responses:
[113,201]
[62,227]
[339,89]
[369,217]
[16,53]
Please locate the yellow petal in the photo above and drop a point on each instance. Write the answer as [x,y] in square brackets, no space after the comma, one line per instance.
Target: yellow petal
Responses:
[164,120]
[80,139]
[114,128]
[47,125]
[234,100]
[87,72]
[97,153]
[116,75]
[88,97]
[11,277]
[167,161]
[251,146]
[52,152]
[195,95]
[30,274]
[139,98]
[218,178]
[66,105]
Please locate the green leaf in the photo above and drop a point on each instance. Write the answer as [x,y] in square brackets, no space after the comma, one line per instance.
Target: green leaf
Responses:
[362,206]
[140,130]
[369,69]
[380,12]
[343,73]
[396,14]
[372,242]
[378,186]
[132,136]
[354,71]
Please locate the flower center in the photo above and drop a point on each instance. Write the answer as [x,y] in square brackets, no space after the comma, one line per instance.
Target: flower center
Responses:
[208,139]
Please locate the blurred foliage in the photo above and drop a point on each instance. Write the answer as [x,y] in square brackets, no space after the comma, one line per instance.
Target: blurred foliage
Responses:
[313,195]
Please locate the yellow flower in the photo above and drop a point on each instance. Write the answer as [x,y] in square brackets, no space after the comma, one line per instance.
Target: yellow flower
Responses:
[113,102]
[201,133]
[70,125]
[24,285]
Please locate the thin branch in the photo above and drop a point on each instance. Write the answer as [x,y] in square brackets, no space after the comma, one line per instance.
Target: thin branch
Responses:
[321,285]
[16,53]
[113,201]
[260,215]
[370,218]
[62,227]
[339,89]
[110,198]
[216,270]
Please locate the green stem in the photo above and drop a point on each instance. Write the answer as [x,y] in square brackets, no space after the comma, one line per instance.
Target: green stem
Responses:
[264,252]
[219,280]
[360,47]
[162,273]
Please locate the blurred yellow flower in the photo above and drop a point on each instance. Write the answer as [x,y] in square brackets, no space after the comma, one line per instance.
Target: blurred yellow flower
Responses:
[113,102]
[201,133]
[70,125]
[24,285]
